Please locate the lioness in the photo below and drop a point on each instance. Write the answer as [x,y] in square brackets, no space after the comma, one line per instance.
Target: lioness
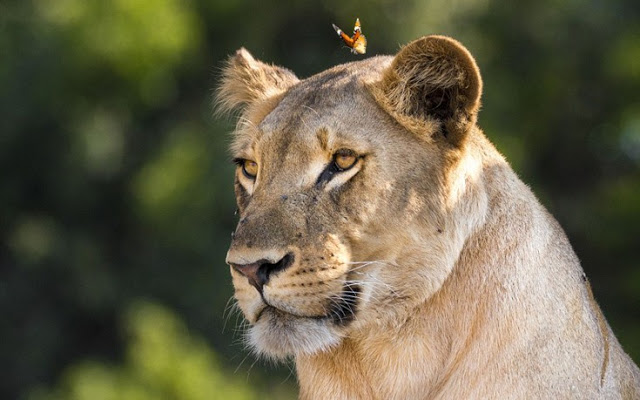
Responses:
[387,246]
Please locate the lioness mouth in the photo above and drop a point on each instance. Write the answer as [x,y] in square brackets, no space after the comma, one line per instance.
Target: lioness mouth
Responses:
[341,311]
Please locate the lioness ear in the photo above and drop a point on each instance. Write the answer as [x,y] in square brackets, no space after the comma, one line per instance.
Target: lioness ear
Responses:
[433,79]
[246,80]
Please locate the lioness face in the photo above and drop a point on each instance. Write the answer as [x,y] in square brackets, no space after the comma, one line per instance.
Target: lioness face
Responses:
[329,206]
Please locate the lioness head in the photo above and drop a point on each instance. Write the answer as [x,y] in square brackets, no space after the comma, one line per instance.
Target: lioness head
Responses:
[348,183]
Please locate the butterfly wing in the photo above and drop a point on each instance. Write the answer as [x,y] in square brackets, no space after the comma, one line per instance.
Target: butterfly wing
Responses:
[347,40]
[359,41]
[360,45]
[356,27]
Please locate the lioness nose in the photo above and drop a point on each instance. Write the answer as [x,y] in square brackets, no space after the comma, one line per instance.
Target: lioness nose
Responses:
[258,273]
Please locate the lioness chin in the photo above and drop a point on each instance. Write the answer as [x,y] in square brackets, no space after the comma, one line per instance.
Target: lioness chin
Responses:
[387,246]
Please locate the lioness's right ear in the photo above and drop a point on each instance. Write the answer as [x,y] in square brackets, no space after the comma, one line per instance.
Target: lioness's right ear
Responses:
[246,80]
[432,81]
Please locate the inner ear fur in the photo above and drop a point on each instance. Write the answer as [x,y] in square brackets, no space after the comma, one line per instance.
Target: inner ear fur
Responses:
[432,82]
[246,81]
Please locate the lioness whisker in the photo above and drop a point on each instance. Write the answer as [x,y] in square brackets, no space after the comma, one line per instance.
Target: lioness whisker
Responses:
[291,372]
[242,362]
[378,289]
[245,121]
[251,367]
[364,264]
[229,309]
[374,279]
[239,342]
[372,262]
[241,330]
[339,302]
[310,108]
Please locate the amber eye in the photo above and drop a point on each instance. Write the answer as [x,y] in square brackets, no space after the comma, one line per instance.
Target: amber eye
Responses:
[250,169]
[345,159]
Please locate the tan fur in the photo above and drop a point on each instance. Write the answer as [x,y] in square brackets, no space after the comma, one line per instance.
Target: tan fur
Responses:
[426,271]
[247,81]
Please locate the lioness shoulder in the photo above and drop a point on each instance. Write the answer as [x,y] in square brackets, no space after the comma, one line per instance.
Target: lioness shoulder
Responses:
[387,246]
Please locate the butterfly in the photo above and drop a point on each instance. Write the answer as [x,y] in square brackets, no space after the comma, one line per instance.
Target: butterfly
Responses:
[357,42]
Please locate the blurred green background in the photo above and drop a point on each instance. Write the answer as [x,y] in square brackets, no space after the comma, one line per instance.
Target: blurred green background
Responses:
[116,197]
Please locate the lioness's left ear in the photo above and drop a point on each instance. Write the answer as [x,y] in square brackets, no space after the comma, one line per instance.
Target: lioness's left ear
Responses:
[246,80]
[433,79]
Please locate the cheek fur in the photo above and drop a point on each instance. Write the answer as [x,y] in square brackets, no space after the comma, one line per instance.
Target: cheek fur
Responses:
[242,197]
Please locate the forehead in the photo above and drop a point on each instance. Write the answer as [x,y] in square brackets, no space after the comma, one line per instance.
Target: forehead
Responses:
[334,103]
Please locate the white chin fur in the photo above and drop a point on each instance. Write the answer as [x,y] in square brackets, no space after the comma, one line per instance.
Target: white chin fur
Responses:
[281,336]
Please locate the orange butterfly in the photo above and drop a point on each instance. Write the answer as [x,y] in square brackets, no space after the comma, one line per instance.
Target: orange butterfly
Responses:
[357,42]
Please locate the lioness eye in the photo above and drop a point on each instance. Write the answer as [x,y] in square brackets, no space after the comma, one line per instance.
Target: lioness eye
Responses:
[344,159]
[250,169]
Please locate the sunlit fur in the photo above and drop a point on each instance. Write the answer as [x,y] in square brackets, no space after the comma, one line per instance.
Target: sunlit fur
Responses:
[466,287]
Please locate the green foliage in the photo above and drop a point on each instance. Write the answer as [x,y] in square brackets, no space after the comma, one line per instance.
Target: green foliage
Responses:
[141,41]
[168,181]
[163,361]
[115,183]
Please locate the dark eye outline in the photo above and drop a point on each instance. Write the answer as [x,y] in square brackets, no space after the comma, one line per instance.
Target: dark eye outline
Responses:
[242,163]
[345,153]
[333,168]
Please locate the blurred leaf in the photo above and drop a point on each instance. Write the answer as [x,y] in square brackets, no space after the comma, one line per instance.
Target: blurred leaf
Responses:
[143,40]
[172,179]
[164,361]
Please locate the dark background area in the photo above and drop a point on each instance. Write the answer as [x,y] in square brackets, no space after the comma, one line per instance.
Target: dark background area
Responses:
[116,200]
